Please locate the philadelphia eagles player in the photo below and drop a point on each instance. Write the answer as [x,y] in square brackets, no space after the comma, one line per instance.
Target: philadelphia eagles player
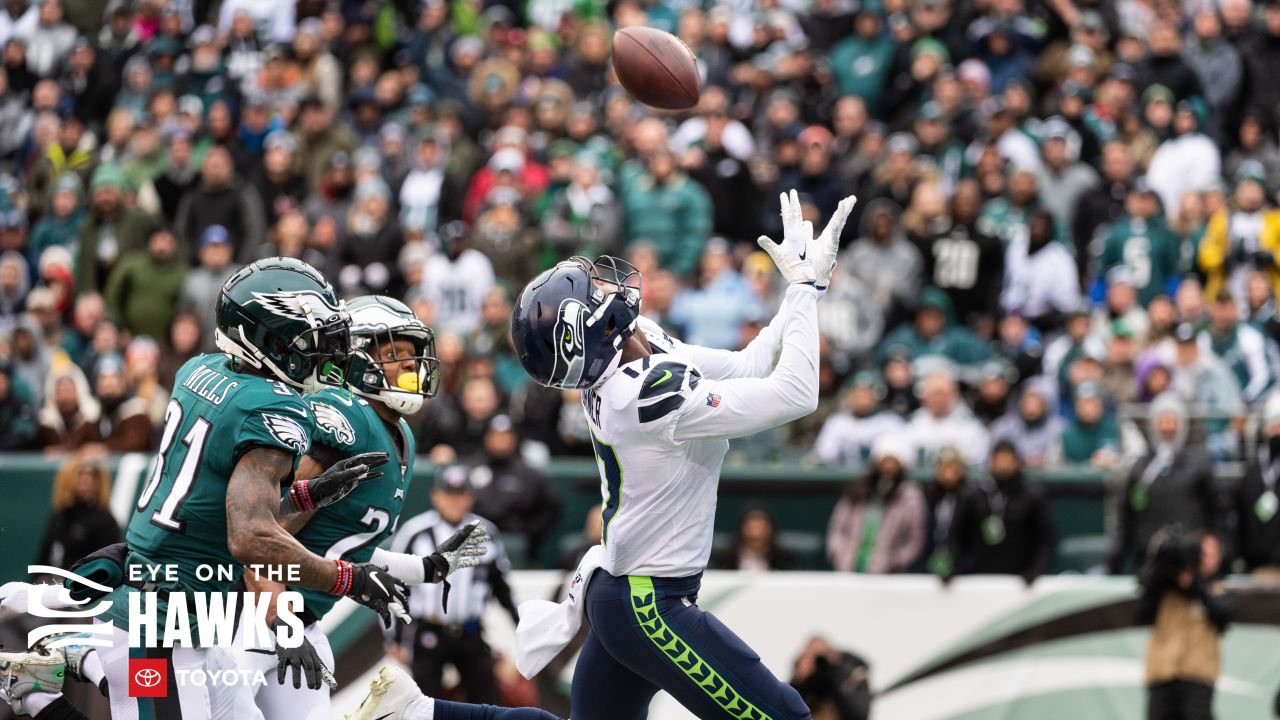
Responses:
[393,369]
[660,414]
[234,430]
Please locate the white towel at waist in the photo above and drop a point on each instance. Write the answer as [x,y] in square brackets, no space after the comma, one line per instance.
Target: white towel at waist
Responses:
[545,627]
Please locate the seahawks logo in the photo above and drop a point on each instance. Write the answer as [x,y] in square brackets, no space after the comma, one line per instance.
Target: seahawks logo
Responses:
[570,353]
[287,432]
[332,421]
[305,305]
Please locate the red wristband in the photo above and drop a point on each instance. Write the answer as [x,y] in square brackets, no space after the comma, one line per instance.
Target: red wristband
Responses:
[342,585]
[300,493]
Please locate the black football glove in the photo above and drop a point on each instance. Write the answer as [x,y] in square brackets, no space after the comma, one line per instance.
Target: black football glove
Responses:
[380,591]
[337,482]
[305,661]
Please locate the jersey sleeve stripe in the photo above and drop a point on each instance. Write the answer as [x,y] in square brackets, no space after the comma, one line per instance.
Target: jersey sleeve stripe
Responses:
[660,409]
[664,378]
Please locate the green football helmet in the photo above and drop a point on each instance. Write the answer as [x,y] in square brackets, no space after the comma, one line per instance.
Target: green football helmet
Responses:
[377,320]
[280,315]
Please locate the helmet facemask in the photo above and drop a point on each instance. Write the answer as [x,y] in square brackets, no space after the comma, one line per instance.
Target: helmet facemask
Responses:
[379,346]
[613,280]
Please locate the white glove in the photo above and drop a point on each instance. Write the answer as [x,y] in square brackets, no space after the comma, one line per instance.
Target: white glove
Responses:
[823,249]
[790,255]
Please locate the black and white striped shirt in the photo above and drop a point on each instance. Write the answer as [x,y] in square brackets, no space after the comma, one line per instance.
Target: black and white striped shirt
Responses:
[472,587]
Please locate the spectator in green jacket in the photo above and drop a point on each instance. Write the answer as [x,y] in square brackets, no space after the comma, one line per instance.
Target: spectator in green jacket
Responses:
[934,332]
[144,287]
[61,225]
[861,61]
[1141,239]
[670,211]
[111,229]
[1091,436]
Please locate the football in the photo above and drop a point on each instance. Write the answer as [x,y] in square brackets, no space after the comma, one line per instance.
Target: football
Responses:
[656,67]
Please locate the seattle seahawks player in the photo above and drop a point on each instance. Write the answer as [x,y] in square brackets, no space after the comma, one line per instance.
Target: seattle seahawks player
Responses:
[393,369]
[660,414]
[234,430]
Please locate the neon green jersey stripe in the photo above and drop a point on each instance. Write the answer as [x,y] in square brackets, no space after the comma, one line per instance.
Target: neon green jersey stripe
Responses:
[644,603]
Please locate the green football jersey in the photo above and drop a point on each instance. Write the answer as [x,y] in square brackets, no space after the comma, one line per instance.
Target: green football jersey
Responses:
[351,528]
[215,415]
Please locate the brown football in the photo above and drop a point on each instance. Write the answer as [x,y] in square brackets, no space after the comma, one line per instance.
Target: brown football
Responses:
[657,68]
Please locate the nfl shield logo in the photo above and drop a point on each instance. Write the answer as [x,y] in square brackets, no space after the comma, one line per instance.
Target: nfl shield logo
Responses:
[713,400]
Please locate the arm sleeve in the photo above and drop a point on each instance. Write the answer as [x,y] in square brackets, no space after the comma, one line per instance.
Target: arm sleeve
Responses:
[408,568]
[753,361]
[744,406]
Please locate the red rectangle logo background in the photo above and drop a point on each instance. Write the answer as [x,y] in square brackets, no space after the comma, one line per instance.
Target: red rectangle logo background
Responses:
[148,677]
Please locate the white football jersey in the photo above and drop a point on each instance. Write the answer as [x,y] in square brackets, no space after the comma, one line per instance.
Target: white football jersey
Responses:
[661,424]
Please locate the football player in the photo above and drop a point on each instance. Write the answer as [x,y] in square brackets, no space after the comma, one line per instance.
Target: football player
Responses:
[393,369]
[235,428]
[660,414]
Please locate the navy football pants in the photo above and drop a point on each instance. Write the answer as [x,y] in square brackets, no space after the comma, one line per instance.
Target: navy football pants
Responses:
[648,635]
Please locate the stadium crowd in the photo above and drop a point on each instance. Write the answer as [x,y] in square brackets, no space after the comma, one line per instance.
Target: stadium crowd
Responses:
[1067,211]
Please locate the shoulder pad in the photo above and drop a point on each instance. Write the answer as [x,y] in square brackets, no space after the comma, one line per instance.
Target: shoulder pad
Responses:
[662,389]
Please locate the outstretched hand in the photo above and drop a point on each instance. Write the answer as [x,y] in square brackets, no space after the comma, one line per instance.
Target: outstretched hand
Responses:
[824,248]
[791,255]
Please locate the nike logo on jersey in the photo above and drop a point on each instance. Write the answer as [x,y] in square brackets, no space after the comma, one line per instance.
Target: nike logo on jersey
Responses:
[666,375]
[803,252]
[303,413]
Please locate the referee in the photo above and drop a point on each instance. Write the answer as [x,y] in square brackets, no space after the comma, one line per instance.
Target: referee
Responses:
[457,637]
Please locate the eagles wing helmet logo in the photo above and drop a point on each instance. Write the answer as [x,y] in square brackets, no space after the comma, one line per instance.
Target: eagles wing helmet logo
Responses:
[570,354]
[287,431]
[332,421]
[305,305]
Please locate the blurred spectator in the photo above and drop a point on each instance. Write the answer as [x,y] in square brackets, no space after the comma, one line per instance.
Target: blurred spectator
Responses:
[182,342]
[519,499]
[1064,177]
[1217,64]
[462,425]
[1034,428]
[576,547]
[754,546]
[934,332]
[81,522]
[1003,527]
[72,151]
[959,254]
[878,524]
[834,684]
[1242,238]
[456,280]
[61,225]
[667,209]
[1256,503]
[582,218]
[885,264]
[713,315]
[1202,380]
[202,284]
[15,283]
[17,412]
[1187,162]
[849,433]
[1254,145]
[180,173]
[511,157]
[942,497]
[944,420]
[1188,609]
[221,198]
[1141,239]
[1035,269]
[144,286]
[1120,312]
[1247,353]
[111,229]
[68,406]
[278,183]
[1172,483]
[1098,208]
[429,196]
[123,425]
[1091,436]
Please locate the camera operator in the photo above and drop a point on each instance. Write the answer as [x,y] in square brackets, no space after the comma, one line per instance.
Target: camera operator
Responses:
[833,683]
[1188,610]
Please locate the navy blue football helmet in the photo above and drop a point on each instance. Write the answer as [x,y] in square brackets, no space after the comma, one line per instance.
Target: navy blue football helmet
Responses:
[570,322]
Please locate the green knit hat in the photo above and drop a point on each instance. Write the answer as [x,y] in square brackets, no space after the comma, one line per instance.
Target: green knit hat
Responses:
[108,175]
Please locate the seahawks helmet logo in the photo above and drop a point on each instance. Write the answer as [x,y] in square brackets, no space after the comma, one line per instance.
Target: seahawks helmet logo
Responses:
[570,355]
[332,421]
[305,305]
[287,432]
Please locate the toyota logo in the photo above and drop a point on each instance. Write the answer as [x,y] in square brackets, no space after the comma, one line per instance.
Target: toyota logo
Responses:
[147,677]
